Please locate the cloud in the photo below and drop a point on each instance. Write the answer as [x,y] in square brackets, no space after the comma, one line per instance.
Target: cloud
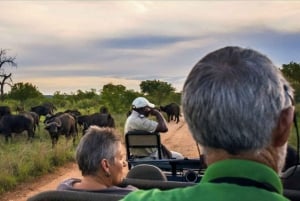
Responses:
[137,40]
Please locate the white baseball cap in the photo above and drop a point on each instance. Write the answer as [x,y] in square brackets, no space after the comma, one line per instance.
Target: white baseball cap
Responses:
[140,102]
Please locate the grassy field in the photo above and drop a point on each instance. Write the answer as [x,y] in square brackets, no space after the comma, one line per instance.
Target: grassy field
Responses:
[21,160]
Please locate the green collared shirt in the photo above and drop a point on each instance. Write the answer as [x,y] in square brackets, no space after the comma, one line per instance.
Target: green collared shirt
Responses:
[209,191]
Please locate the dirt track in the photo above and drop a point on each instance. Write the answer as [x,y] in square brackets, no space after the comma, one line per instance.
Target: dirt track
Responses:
[178,139]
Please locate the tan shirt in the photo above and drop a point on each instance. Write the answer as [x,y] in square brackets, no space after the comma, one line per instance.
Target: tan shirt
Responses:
[137,121]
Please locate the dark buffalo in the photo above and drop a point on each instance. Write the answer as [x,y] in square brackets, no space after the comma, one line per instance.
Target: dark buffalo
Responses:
[63,124]
[172,110]
[50,117]
[35,118]
[83,120]
[98,119]
[75,113]
[16,124]
[49,105]
[4,110]
[42,110]
[103,110]
[20,109]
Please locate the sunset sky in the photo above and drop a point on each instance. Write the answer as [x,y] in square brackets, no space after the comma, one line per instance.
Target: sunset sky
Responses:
[69,45]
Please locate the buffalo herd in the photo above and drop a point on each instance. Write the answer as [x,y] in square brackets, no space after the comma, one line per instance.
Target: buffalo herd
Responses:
[56,124]
[61,123]
[66,123]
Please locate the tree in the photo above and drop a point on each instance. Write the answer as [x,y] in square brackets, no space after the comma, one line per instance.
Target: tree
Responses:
[117,98]
[5,78]
[292,72]
[85,95]
[22,91]
[157,90]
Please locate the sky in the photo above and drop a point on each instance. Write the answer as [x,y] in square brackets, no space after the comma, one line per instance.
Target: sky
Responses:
[67,46]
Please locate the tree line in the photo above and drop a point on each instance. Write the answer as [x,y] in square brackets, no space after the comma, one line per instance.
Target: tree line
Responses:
[116,97]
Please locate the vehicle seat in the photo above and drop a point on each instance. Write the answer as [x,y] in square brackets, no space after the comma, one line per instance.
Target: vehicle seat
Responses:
[139,139]
[146,171]
[291,178]
[54,195]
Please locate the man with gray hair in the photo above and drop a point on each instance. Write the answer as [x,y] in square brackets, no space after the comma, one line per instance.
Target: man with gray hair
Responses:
[239,108]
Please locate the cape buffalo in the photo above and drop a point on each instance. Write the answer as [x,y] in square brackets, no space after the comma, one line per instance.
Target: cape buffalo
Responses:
[103,110]
[63,124]
[172,110]
[16,124]
[46,108]
[34,116]
[4,110]
[75,113]
[98,119]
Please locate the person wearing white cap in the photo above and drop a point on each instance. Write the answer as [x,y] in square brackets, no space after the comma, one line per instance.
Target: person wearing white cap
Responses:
[138,120]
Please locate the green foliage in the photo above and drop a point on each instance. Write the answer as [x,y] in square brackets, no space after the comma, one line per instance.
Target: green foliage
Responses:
[80,100]
[292,138]
[292,72]
[85,95]
[157,90]
[116,98]
[23,91]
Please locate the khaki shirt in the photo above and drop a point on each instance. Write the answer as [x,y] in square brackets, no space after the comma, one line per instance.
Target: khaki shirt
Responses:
[137,121]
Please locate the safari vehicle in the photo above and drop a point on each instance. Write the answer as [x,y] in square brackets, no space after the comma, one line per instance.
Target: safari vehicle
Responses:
[183,170]
[163,174]
[156,179]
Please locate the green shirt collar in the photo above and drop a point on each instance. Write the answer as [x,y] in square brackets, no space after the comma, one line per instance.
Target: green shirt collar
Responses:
[243,169]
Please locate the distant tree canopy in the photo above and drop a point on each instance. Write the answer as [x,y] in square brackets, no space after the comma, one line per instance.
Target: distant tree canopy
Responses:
[292,72]
[157,90]
[117,98]
[22,91]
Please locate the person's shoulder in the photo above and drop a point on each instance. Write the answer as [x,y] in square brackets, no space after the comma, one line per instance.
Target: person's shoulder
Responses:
[136,115]
[128,187]
[67,184]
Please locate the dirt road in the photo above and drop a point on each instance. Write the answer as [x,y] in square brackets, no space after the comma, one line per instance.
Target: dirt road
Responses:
[178,138]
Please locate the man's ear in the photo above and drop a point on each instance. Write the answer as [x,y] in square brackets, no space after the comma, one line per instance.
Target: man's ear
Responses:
[105,165]
[282,130]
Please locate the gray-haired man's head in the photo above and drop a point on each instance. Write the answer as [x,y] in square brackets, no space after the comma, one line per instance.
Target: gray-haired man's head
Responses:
[232,99]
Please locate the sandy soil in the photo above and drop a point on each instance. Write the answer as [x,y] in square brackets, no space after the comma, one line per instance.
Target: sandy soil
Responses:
[178,138]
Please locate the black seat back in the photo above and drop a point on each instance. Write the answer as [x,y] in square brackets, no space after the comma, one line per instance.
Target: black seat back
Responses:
[146,171]
[291,178]
[74,196]
[150,184]
[142,139]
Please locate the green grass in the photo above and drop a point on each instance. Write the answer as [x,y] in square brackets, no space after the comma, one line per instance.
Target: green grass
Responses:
[21,160]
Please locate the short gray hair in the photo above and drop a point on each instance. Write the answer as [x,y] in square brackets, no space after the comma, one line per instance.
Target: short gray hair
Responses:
[232,99]
[97,144]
